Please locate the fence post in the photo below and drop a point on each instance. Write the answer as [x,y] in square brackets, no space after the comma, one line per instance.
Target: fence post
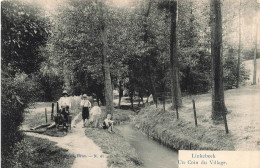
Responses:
[176,106]
[46,115]
[57,108]
[52,110]
[194,110]
[163,102]
[225,121]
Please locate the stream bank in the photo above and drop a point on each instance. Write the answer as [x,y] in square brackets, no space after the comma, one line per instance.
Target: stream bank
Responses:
[179,134]
[152,153]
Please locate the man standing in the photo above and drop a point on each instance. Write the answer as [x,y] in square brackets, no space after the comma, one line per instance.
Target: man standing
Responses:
[85,104]
[65,105]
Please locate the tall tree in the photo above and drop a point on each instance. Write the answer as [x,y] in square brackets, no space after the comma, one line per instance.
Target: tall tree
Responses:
[239,45]
[150,54]
[175,84]
[218,103]
[255,54]
[106,66]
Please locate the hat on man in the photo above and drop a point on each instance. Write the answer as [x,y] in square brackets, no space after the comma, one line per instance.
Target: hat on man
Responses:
[65,92]
[85,95]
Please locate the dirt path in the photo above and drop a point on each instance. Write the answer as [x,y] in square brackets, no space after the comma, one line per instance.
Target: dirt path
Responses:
[86,152]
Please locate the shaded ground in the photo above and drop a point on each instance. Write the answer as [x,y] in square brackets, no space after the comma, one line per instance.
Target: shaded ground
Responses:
[46,154]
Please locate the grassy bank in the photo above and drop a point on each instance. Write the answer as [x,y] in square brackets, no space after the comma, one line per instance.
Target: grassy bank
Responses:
[41,153]
[180,134]
[120,153]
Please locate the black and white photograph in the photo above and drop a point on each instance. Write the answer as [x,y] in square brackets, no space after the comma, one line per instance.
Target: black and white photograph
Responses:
[130,83]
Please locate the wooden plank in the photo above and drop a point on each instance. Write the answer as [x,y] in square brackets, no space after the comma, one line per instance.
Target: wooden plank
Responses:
[51,125]
[40,126]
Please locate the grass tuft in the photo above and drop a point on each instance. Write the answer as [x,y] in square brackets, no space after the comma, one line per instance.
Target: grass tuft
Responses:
[121,154]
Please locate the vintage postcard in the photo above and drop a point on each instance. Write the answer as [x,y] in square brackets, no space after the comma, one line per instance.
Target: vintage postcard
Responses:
[130,83]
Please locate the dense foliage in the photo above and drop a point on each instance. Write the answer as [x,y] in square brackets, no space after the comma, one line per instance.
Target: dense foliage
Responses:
[16,95]
[24,30]
[128,52]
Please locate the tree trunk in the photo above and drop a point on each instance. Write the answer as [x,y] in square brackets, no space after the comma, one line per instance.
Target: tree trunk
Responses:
[67,86]
[153,89]
[218,103]
[151,79]
[98,100]
[120,93]
[175,83]
[132,101]
[106,66]
[239,47]
[255,54]
[163,87]
[132,86]
[100,97]
[147,100]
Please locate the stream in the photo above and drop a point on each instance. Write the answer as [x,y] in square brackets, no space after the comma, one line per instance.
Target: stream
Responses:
[153,154]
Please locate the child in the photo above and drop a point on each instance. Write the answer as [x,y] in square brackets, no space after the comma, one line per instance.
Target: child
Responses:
[108,123]
[85,104]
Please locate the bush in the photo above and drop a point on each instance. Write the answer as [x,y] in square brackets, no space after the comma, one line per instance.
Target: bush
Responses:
[19,156]
[195,71]
[230,71]
[17,94]
[49,86]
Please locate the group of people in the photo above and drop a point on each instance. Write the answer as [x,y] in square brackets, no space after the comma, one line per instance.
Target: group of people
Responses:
[89,113]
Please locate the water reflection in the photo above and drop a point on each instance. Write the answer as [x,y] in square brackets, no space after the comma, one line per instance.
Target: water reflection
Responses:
[153,154]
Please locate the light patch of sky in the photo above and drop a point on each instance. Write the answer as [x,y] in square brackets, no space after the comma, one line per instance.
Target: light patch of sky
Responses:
[47,4]
[121,3]
[52,4]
